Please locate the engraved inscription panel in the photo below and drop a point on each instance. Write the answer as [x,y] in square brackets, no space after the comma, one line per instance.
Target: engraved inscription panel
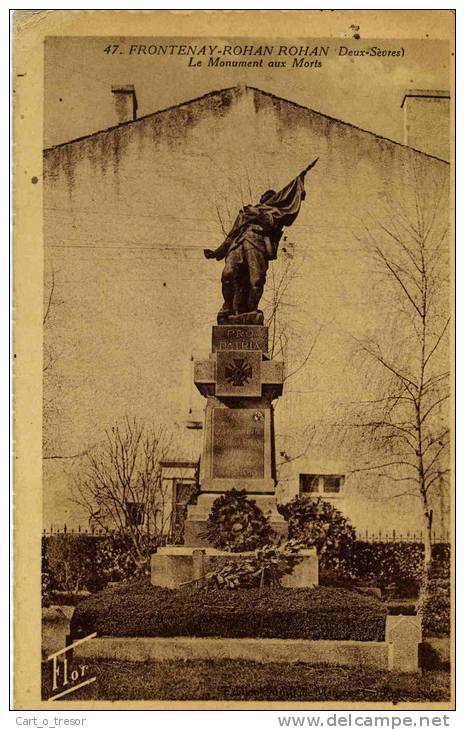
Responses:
[238,443]
[240,337]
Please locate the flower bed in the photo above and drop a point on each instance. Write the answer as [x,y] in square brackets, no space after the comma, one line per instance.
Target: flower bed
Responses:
[140,609]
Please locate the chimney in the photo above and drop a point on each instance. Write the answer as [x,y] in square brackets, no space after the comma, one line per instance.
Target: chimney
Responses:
[427,121]
[125,103]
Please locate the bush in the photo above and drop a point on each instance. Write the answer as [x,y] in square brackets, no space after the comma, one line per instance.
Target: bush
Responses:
[75,562]
[71,561]
[140,609]
[316,523]
[434,602]
[45,589]
[235,523]
[396,567]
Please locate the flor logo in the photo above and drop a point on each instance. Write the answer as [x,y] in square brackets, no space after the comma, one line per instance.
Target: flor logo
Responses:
[238,372]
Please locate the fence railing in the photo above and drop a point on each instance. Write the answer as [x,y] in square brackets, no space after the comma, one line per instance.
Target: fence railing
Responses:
[364,535]
[396,536]
[65,530]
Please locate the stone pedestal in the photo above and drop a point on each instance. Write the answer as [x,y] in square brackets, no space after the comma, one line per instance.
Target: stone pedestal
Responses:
[239,382]
[403,636]
[173,567]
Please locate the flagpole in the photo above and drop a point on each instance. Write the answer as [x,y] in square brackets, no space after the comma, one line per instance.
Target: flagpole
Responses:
[312,164]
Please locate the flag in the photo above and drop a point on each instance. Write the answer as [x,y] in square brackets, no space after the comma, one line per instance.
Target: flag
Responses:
[286,202]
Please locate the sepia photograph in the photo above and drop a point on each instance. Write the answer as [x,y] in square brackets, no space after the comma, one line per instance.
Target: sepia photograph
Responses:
[247,489]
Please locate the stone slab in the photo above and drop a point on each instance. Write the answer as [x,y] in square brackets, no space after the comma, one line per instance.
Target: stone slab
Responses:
[403,635]
[289,651]
[435,652]
[55,628]
[171,571]
[174,567]
[305,573]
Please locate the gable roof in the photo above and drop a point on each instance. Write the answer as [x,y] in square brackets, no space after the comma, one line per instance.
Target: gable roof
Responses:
[238,89]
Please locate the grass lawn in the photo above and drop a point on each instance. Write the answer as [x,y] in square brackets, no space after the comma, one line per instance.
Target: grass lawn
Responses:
[244,680]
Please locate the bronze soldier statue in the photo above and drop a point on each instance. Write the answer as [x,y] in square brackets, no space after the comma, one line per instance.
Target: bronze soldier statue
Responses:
[251,243]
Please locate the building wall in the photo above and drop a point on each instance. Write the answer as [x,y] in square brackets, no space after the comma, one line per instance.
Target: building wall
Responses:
[127,214]
[427,124]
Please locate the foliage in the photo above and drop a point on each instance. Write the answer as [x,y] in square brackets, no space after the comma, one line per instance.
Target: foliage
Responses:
[434,602]
[140,609]
[237,524]
[76,562]
[71,561]
[396,567]
[265,567]
[45,589]
[316,523]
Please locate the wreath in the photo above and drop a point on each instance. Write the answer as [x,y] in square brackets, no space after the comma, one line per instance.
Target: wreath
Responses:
[236,523]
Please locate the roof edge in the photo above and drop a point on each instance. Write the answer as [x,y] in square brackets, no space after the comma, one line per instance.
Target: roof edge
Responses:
[142,118]
[349,124]
[238,88]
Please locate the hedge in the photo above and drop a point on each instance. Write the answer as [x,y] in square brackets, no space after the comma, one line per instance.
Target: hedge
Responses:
[140,609]
[75,562]
[397,565]
[94,561]
[434,605]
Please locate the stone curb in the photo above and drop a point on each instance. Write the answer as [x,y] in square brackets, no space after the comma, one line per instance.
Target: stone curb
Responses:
[399,653]
[142,649]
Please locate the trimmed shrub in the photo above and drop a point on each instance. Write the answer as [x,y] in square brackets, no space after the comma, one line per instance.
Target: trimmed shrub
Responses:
[71,561]
[75,562]
[434,605]
[140,609]
[396,567]
[316,523]
[235,523]
[45,589]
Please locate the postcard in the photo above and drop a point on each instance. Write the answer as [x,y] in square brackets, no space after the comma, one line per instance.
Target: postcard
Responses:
[234,322]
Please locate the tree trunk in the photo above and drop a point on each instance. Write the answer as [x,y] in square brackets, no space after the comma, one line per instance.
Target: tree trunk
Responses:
[427,521]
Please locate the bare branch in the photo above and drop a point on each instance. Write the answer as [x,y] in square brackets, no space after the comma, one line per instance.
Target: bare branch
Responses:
[433,350]
[384,466]
[391,268]
[433,406]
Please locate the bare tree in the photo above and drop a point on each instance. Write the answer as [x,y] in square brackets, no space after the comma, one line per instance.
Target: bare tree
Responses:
[121,488]
[406,417]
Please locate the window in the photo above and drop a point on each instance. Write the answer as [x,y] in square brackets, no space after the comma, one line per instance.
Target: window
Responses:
[332,484]
[320,483]
[134,513]
[308,483]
